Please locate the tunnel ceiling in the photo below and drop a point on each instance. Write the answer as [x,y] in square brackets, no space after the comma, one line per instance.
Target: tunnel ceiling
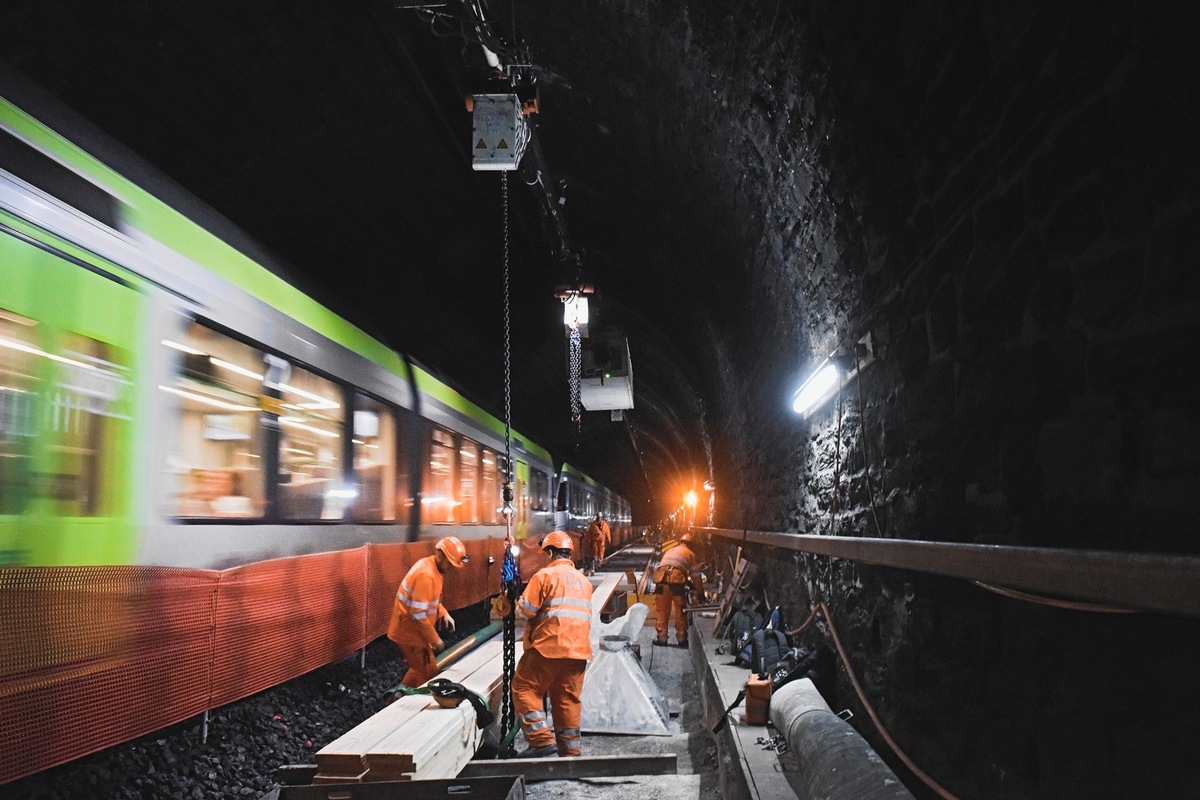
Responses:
[336,135]
[739,181]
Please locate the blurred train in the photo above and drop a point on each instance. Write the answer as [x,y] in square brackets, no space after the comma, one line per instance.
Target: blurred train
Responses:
[166,400]
[209,483]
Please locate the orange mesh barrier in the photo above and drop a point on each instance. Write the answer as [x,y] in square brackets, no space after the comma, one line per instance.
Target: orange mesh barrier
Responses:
[92,656]
[95,656]
[279,619]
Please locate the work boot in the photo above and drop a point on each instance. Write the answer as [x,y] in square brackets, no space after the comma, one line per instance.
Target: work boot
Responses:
[682,643]
[539,752]
[661,643]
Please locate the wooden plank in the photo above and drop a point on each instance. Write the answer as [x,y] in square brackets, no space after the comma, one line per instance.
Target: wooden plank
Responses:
[323,778]
[742,574]
[631,576]
[344,755]
[549,769]
[438,741]
[602,590]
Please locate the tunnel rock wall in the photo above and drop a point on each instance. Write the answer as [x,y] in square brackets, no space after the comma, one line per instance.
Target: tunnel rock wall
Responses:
[1005,199]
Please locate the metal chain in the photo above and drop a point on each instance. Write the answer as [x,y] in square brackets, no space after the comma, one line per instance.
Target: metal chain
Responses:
[509,575]
[508,465]
[576,369]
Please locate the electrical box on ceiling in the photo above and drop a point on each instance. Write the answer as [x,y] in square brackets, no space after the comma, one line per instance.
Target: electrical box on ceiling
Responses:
[500,132]
[606,373]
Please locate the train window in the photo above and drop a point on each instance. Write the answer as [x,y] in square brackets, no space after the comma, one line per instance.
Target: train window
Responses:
[540,491]
[489,497]
[89,410]
[437,506]
[310,448]
[18,395]
[374,443]
[468,482]
[217,462]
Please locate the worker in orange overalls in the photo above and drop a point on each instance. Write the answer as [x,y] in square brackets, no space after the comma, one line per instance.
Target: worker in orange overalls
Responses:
[676,573]
[417,612]
[596,539]
[557,604]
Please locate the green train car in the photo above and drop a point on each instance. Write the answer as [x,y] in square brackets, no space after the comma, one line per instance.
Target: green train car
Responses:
[167,400]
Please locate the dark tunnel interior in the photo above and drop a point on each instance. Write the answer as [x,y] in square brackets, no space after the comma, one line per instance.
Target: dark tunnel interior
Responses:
[989,211]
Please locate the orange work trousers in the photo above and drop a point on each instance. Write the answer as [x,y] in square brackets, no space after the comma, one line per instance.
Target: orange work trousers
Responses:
[422,666]
[665,602]
[561,678]
[598,552]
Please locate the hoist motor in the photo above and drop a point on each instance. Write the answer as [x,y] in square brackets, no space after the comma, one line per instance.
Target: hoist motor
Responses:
[500,132]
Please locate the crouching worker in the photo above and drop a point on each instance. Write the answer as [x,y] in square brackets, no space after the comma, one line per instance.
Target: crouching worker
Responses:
[557,607]
[678,572]
[417,612]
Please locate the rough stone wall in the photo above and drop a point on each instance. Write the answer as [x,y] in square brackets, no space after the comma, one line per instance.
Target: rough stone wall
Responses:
[1005,197]
[1006,200]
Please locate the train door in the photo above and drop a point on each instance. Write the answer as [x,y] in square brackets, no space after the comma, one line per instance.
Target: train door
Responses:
[69,351]
[521,500]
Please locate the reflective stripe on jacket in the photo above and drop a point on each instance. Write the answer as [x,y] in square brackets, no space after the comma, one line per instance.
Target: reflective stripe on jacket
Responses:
[678,565]
[418,605]
[558,606]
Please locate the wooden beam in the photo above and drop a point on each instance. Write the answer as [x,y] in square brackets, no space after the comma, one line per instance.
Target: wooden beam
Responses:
[552,769]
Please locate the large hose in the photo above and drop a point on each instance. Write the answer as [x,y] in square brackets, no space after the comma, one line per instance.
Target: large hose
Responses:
[835,762]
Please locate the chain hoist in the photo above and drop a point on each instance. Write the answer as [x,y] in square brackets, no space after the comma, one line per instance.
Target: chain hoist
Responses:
[510,576]
[576,351]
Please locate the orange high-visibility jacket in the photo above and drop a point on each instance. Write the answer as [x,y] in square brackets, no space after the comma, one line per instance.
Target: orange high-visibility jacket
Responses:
[679,565]
[558,606]
[599,531]
[418,605]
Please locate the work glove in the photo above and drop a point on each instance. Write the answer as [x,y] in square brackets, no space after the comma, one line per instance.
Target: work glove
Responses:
[446,621]
[501,605]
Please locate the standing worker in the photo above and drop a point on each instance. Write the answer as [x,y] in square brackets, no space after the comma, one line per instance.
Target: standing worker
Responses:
[417,612]
[557,607]
[676,573]
[597,538]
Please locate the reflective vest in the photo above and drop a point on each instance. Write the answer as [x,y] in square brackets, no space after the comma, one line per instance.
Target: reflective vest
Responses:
[418,605]
[557,605]
[678,565]
[599,532]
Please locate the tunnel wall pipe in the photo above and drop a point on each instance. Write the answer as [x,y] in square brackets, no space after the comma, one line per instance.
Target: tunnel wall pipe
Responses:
[835,762]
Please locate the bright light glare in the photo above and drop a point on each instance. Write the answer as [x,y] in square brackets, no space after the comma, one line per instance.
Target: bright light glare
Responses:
[295,422]
[575,311]
[690,498]
[515,550]
[24,348]
[815,389]
[199,398]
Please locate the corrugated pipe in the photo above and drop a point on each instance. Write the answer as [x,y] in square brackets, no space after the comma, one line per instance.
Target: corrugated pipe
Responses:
[835,762]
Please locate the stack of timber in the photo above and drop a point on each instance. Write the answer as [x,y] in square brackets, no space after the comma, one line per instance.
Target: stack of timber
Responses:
[416,739]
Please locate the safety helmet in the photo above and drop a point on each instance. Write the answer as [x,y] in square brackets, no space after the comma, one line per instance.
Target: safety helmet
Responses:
[452,548]
[687,536]
[558,540]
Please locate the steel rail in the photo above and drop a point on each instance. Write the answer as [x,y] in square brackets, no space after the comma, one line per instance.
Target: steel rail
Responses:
[1167,584]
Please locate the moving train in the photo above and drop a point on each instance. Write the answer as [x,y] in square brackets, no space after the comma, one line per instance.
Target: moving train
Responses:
[165,400]
[209,483]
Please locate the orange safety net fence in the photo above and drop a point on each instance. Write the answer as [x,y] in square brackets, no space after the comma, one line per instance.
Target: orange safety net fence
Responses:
[91,657]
